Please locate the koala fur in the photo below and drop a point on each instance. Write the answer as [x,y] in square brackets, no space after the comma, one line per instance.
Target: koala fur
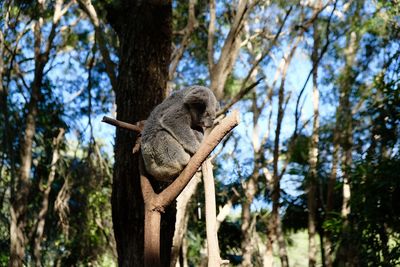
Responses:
[174,130]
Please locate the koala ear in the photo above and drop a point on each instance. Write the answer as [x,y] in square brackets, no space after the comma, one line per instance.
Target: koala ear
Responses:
[196,96]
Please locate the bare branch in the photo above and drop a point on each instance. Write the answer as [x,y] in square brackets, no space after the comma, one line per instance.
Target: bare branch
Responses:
[214,259]
[156,203]
[229,51]
[316,63]
[267,51]
[239,96]
[136,128]
[224,211]
[211,33]
[90,11]
[187,32]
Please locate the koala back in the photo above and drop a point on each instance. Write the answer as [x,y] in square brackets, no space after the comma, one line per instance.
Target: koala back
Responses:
[173,131]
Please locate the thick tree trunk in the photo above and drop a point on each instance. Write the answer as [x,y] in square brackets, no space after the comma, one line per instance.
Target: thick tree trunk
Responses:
[144,31]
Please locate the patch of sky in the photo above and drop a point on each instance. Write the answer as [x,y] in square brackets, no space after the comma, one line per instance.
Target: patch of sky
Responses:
[242,165]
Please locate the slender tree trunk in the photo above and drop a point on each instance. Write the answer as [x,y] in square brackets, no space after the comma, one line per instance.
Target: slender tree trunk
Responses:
[275,226]
[330,196]
[19,196]
[220,70]
[21,186]
[275,222]
[182,217]
[313,158]
[347,122]
[347,252]
[250,187]
[246,245]
[45,201]
[144,32]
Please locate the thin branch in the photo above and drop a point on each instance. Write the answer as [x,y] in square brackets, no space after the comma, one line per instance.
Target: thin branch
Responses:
[224,142]
[211,33]
[239,96]
[90,11]
[191,25]
[224,211]
[214,259]
[316,63]
[136,128]
[267,51]
[155,203]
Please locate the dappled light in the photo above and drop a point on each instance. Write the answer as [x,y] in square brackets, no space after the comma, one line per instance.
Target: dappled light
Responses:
[282,117]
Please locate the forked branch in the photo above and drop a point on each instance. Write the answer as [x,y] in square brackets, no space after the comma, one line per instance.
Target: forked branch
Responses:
[155,204]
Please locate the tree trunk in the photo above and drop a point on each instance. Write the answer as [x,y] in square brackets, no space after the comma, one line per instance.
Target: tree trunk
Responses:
[19,195]
[313,158]
[275,222]
[275,225]
[182,217]
[347,253]
[220,70]
[144,32]
[37,249]
[330,196]
[246,244]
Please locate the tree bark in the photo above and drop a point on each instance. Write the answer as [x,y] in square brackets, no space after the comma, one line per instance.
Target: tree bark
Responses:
[275,225]
[182,217]
[313,157]
[347,253]
[220,70]
[144,32]
[214,258]
[37,249]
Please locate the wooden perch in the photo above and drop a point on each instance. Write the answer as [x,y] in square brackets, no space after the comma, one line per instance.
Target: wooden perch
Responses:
[155,203]
[211,216]
[138,127]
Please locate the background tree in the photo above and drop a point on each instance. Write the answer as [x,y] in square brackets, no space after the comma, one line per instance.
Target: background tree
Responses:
[37,162]
[64,64]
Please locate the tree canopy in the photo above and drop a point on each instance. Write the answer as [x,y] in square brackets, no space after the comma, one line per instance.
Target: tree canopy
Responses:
[310,173]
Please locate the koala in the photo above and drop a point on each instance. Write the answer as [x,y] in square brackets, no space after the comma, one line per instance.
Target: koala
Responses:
[174,130]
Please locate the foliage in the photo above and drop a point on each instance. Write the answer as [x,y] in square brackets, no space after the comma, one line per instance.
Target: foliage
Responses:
[376,184]
[77,223]
[362,92]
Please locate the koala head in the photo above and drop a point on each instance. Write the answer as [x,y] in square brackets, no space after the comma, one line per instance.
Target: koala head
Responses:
[202,106]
